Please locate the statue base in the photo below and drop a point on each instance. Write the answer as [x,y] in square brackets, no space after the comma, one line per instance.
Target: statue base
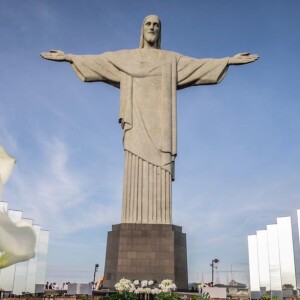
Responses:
[145,252]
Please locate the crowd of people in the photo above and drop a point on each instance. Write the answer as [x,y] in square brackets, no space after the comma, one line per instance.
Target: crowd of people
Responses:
[55,286]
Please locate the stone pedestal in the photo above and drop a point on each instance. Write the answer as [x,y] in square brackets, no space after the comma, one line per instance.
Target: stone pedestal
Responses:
[146,251]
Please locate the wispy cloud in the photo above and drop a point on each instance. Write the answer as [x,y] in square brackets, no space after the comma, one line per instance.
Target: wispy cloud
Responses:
[55,195]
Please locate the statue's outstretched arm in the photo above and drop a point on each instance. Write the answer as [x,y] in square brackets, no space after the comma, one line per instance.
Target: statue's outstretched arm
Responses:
[243,58]
[56,55]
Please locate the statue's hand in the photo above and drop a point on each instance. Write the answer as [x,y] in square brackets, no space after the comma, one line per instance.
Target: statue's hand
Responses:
[55,55]
[243,58]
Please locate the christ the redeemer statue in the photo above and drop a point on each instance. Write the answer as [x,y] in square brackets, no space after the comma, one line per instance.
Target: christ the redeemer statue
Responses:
[148,78]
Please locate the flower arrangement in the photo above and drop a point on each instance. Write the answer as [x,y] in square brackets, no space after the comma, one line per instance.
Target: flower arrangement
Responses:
[144,286]
[167,285]
[124,285]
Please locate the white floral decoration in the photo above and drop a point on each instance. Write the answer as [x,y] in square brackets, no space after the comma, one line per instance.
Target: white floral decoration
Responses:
[124,285]
[150,282]
[144,283]
[156,291]
[144,286]
[167,285]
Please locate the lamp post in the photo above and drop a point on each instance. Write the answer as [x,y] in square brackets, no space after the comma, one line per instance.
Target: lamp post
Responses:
[95,271]
[213,262]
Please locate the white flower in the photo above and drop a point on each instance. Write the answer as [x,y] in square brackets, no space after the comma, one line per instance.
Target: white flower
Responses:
[150,282]
[167,285]
[132,288]
[144,283]
[6,165]
[123,285]
[156,291]
[17,241]
[137,291]
[136,282]
[166,282]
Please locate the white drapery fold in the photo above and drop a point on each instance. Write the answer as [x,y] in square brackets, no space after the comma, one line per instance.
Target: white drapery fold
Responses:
[147,192]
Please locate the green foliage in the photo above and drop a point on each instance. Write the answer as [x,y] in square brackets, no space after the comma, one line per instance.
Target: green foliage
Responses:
[123,296]
[204,296]
[266,296]
[167,296]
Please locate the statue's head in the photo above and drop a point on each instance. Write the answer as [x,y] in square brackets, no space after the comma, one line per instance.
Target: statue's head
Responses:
[151,33]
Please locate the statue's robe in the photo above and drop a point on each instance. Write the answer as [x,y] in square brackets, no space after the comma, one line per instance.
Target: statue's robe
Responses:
[148,80]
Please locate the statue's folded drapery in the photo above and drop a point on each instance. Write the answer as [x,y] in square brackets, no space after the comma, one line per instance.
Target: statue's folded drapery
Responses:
[148,80]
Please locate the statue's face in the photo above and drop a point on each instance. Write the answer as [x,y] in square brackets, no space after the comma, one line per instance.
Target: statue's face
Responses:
[151,30]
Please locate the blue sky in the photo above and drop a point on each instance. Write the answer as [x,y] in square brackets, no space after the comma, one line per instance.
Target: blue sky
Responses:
[238,164]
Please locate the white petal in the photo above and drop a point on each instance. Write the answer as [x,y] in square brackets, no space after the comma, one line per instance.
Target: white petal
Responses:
[17,241]
[6,165]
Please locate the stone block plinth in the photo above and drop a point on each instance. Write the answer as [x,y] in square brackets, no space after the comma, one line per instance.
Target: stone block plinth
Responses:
[146,251]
